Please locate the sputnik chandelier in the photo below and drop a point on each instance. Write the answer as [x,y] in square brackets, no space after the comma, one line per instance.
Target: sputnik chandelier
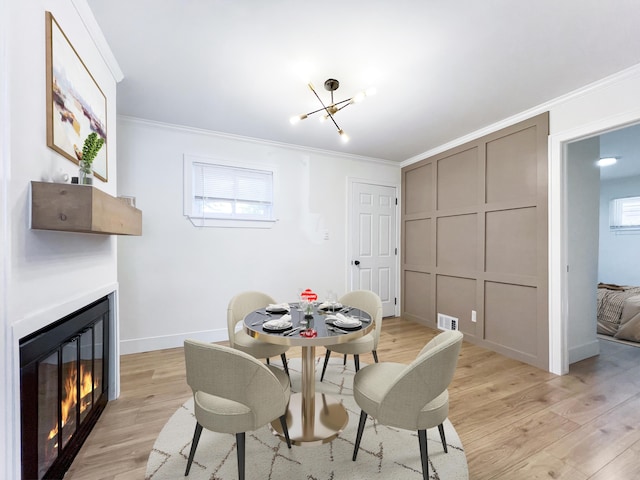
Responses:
[334,107]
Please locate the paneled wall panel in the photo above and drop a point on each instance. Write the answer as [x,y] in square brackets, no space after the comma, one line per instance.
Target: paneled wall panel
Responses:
[503,254]
[510,317]
[457,297]
[417,198]
[512,166]
[417,242]
[418,302]
[458,180]
[457,238]
[474,238]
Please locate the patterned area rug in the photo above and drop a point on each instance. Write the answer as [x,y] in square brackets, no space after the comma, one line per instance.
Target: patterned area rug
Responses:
[385,453]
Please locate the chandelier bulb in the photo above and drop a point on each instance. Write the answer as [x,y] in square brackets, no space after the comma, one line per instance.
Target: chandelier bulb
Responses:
[295,119]
[358,97]
[343,136]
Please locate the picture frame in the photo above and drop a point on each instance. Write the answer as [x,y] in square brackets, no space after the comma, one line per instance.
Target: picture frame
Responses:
[76,106]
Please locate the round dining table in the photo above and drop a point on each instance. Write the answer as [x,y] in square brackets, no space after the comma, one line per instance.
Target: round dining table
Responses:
[312,418]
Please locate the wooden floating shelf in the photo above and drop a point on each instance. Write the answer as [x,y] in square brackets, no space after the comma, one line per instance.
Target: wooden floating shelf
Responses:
[81,208]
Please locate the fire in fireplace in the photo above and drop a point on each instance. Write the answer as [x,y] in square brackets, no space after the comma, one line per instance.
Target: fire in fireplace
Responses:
[63,389]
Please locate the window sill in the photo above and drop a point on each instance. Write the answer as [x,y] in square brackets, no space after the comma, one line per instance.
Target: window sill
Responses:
[224,223]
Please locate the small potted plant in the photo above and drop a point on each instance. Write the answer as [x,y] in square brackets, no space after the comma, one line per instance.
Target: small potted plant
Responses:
[92,145]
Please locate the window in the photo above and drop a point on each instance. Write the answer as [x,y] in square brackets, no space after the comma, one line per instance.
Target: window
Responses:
[221,194]
[624,214]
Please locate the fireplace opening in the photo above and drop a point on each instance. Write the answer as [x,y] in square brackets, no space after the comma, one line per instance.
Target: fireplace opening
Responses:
[63,389]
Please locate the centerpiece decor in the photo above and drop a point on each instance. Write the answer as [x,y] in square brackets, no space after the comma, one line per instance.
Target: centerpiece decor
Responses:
[307,299]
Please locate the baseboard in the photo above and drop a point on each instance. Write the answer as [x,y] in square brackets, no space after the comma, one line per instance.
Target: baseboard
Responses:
[586,350]
[617,340]
[148,344]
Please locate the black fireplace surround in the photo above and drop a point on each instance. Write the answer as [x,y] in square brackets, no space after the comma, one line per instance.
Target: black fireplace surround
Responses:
[64,377]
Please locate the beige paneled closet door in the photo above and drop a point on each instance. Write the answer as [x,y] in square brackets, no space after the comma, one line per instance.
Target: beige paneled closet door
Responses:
[474,240]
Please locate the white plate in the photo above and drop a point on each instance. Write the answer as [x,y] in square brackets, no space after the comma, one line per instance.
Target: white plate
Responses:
[276,325]
[351,323]
[276,309]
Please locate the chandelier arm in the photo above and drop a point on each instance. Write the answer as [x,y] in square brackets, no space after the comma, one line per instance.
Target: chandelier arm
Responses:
[319,99]
[333,120]
[343,106]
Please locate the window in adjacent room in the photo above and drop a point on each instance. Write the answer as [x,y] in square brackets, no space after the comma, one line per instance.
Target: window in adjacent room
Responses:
[227,195]
[624,214]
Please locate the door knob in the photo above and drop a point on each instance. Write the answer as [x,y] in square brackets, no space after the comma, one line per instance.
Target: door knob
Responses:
[356,263]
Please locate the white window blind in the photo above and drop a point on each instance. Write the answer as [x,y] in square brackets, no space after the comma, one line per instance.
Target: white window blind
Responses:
[624,214]
[228,195]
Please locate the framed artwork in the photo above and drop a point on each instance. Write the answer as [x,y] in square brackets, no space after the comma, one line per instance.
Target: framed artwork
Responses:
[75,104]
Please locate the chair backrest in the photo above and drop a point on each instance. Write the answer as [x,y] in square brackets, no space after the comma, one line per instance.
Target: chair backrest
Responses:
[369,302]
[424,379]
[241,305]
[234,375]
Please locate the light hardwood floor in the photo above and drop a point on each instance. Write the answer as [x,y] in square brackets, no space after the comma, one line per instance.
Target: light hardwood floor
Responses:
[515,421]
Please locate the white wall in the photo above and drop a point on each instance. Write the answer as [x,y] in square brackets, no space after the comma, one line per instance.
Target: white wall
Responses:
[45,275]
[619,256]
[606,105]
[176,280]
[583,182]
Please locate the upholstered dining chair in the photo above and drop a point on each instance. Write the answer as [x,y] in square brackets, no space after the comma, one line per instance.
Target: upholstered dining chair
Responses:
[410,397]
[233,392]
[369,302]
[239,307]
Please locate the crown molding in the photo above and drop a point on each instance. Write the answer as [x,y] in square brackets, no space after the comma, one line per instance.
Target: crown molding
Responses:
[255,141]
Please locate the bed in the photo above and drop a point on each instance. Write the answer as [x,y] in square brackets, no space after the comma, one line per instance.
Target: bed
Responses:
[619,311]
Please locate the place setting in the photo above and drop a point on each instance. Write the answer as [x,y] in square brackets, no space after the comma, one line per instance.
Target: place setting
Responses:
[343,323]
[278,308]
[331,304]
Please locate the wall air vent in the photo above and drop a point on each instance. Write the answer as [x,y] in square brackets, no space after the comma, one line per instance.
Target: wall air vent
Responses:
[445,322]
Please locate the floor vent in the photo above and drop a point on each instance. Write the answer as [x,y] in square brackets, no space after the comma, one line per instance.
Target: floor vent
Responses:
[445,322]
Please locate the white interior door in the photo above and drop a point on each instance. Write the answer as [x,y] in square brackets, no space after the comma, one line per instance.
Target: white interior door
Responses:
[373,242]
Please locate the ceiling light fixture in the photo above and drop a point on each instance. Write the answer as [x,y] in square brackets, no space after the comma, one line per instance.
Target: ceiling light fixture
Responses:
[605,162]
[334,107]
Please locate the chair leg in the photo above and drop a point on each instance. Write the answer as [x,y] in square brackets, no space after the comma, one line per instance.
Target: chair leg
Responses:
[240,445]
[363,419]
[326,361]
[344,359]
[444,440]
[356,360]
[285,429]
[267,361]
[375,355]
[424,456]
[284,363]
[194,445]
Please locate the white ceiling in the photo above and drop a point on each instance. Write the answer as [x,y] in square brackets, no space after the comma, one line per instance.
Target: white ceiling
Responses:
[442,68]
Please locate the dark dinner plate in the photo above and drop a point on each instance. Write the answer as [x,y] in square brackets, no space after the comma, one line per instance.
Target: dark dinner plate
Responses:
[345,328]
[331,308]
[276,310]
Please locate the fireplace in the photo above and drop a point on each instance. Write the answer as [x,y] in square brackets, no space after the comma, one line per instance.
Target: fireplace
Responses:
[64,376]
